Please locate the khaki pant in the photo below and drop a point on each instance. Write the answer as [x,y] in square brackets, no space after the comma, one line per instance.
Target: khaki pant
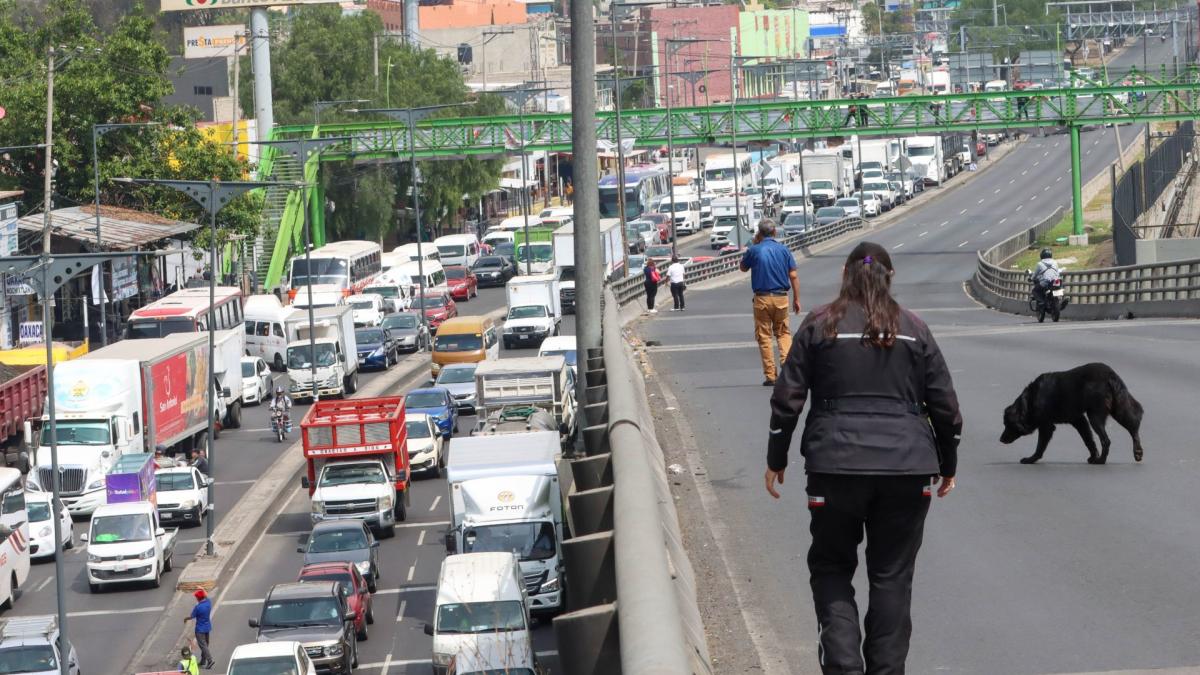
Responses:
[771,321]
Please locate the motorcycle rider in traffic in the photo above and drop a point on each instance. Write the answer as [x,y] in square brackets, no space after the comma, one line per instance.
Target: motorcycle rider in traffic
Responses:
[281,403]
[1045,275]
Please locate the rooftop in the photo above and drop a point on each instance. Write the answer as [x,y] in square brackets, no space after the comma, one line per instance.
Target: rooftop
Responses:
[122,229]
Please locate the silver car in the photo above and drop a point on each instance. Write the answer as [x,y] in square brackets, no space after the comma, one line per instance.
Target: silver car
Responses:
[850,205]
[459,378]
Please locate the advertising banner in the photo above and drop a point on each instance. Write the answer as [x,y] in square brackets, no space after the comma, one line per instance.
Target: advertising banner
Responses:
[31,333]
[124,279]
[179,403]
[8,230]
[184,5]
[201,42]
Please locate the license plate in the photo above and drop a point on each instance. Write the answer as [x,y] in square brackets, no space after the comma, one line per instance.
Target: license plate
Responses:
[120,568]
[1058,293]
[523,337]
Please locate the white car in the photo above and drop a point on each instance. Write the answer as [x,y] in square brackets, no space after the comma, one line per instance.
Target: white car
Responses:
[271,657]
[883,190]
[41,526]
[257,384]
[851,206]
[182,494]
[367,308]
[424,444]
[871,204]
[723,234]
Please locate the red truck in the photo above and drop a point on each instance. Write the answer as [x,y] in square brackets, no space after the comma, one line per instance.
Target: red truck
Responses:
[357,455]
[22,397]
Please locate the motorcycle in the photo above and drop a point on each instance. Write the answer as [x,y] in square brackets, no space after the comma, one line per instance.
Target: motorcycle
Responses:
[1050,300]
[281,424]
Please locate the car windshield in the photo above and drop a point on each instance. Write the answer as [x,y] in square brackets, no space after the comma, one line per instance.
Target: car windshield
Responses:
[490,261]
[300,356]
[341,577]
[120,529]
[537,251]
[429,301]
[38,511]
[400,321]
[456,375]
[371,336]
[851,202]
[425,399]
[324,271]
[265,665]
[798,219]
[920,151]
[301,612]
[247,369]
[567,354]
[529,541]
[28,659]
[527,312]
[383,291]
[452,251]
[351,474]
[339,540]
[463,342]
[869,166]
[417,429]
[362,304]
[159,328]
[481,617]
[456,272]
[174,481]
[78,433]
[820,185]
[875,186]
[719,174]
[831,212]
[659,251]
[505,248]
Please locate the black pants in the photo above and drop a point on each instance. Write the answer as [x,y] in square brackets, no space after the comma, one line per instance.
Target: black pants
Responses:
[677,294]
[891,510]
[651,294]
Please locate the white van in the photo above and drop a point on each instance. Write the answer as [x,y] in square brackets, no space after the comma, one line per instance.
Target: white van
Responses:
[494,237]
[458,249]
[514,223]
[14,537]
[557,212]
[480,608]
[396,297]
[687,212]
[270,326]
[426,249]
[435,275]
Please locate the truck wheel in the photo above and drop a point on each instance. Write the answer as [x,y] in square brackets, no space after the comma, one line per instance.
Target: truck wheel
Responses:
[235,415]
[387,533]
[157,579]
[401,511]
[352,383]
[361,635]
[168,563]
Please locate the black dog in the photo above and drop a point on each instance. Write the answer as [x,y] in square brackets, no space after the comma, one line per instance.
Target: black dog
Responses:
[1079,397]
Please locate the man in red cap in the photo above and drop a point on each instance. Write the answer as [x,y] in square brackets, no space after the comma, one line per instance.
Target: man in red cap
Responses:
[202,613]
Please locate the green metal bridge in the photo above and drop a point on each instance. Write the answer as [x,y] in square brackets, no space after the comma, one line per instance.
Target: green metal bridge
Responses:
[1139,97]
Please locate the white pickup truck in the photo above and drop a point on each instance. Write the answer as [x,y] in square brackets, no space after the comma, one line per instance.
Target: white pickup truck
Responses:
[126,543]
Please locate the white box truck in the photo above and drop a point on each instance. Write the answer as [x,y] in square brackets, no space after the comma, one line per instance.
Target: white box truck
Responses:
[832,167]
[127,397]
[564,258]
[504,496]
[228,348]
[506,388]
[926,155]
[336,358]
[534,310]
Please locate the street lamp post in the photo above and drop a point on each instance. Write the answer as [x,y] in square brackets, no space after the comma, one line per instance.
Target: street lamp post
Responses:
[673,46]
[99,130]
[318,106]
[519,97]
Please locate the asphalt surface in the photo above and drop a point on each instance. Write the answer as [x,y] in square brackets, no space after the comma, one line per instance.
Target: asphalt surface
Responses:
[107,628]
[1055,568]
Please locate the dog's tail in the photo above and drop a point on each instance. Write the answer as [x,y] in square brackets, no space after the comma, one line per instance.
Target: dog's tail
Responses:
[1122,399]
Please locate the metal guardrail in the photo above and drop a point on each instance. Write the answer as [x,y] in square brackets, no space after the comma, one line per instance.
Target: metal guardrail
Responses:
[1093,293]
[632,605]
[631,288]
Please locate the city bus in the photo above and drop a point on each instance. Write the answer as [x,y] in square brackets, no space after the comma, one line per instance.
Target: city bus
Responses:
[344,267]
[643,186]
[14,536]
[187,311]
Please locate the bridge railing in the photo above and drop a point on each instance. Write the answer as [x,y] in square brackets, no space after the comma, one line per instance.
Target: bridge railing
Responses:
[631,288]
[1160,289]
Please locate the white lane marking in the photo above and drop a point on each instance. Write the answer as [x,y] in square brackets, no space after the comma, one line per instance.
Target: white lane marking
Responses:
[962,212]
[1058,179]
[1002,220]
[1011,181]
[411,572]
[923,233]
[1032,197]
[376,665]
[384,591]
[996,191]
[1056,144]
[1088,152]
[1020,206]
[962,244]
[944,223]
[986,231]
[1046,153]
[981,201]
[421,538]
[387,663]
[897,246]
[1045,188]
[44,583]
[424,523]
[246,481]
[400,614]
[116,612]
[1037,162]
[1025,172]
[436,501]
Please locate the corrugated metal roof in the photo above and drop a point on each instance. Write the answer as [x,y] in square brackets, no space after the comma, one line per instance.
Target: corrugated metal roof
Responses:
[121,229]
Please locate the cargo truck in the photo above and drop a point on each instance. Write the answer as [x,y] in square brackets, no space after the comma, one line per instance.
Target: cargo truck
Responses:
[564,258]
[331,336]
[540,258]
[505,497]
[832,167]
[509,392]
[357,461]
[22,396]
[935,158]
[128,397]
[534,310]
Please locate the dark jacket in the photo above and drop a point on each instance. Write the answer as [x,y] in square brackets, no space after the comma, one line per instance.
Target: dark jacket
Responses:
[874,411]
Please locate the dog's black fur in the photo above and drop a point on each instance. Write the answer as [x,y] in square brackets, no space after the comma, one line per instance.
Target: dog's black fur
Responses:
[1083,397]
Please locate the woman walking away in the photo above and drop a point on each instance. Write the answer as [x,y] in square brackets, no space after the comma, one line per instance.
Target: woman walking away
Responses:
[652,280]
[882,430]
[676,274]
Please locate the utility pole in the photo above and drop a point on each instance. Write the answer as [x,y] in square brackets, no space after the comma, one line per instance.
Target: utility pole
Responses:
[488,34]
[237,69]
[264,107]
[589,280]
[48,179]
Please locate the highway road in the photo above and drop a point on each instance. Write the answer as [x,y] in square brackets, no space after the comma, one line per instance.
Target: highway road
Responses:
[1056,568]
[107,628]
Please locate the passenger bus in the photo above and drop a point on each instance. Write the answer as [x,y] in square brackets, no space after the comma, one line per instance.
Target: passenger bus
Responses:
[187,311]
[14,536]
[341,266]
[725,173]
[643,186]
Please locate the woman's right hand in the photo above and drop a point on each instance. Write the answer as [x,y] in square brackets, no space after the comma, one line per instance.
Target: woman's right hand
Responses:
[946,487]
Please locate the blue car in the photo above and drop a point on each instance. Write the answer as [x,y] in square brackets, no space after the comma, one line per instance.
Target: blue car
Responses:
[438,404]
[376,348]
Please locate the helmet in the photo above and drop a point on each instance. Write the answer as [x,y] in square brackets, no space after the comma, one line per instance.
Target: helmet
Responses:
[1047,253]
[279,391]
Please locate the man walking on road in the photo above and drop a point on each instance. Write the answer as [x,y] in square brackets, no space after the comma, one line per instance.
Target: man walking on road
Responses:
[772,272]
[676,275]
[202,614]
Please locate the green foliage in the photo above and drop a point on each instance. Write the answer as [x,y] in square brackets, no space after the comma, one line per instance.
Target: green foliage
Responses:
[899,21]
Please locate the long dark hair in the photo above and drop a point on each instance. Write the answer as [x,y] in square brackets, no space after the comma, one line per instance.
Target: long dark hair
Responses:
[867,282]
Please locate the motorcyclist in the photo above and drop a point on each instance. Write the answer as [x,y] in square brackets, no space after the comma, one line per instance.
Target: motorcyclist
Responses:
[1046,274]
[282,403]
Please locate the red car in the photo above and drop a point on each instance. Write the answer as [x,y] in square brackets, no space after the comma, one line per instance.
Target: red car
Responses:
[462,282]
[358,598]
[438,306]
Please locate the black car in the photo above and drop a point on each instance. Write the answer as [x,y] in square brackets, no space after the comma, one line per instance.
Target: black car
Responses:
[408,332]
[493,270]
[798,223]
[317,615]
[376,348]
[830,214]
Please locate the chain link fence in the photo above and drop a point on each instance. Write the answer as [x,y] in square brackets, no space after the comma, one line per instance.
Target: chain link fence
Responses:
[1139,188]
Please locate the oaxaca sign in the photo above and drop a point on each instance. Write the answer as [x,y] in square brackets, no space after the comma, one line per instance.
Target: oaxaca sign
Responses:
[181,5]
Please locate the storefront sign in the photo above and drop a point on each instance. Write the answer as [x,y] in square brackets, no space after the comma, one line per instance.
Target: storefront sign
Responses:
[200,42]
[31,332]
[15,284]
[124,279]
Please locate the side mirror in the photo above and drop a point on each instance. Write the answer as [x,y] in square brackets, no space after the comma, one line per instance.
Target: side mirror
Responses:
[226,393]
[451,547]
[208,482]
[375,544]
[304,483]
[85,536]
[160,532]
[299,549]
[428,629]
[253,623]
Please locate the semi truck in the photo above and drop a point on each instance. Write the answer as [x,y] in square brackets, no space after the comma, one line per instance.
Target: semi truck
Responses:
[128,397]
[505,497]
[534,310]
[936,158]
[509,392]
[356,454]
[331,337]
[564,258]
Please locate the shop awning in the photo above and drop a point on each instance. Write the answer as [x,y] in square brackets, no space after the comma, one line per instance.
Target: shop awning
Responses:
[515,183]
[120,229]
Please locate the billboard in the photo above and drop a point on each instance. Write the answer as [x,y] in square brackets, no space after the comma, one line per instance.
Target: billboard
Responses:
[183,5]
[202,42]
[179,403]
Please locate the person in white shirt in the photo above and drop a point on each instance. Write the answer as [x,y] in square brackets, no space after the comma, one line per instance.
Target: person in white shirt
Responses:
[675,274]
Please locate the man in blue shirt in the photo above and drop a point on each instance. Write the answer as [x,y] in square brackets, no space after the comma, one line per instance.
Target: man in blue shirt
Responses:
[772,272]
[202,614]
